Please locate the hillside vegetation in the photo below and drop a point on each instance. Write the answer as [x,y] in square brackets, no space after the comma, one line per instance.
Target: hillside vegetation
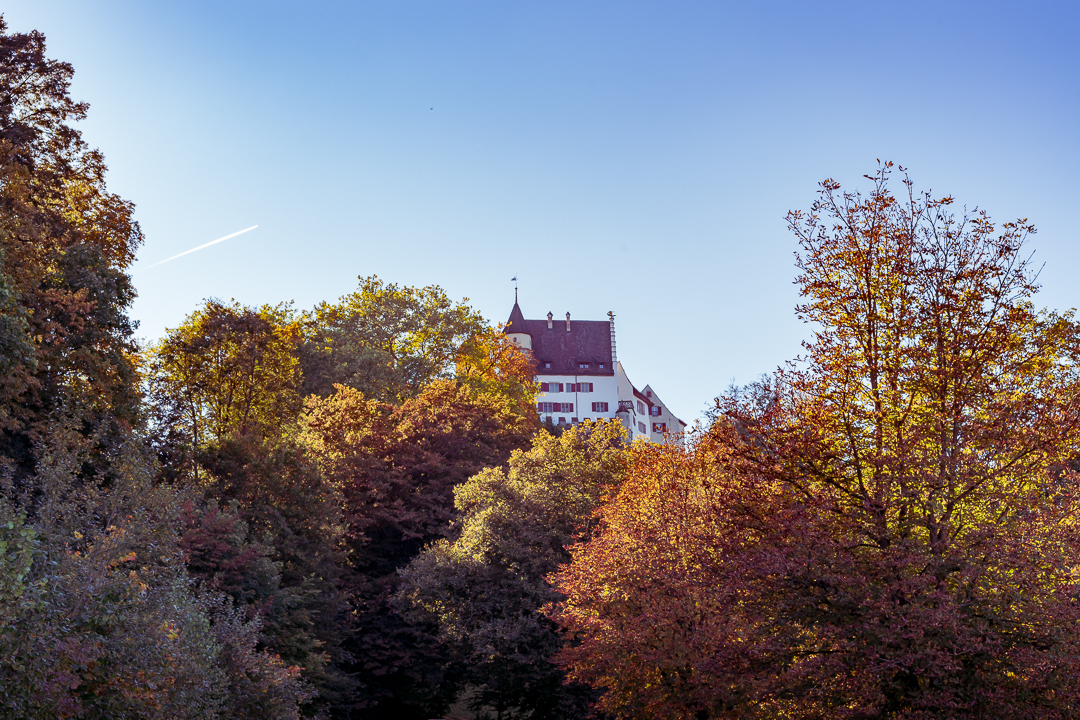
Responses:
[353,511]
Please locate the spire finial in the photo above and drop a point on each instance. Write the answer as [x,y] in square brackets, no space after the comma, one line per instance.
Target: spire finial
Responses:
[514,279]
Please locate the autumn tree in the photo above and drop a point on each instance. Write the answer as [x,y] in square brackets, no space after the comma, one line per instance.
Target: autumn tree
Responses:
[495,365]
[386,340]
[884,529]
[226,369]
[65,241]
[486,587]
[97,617]
[397,466]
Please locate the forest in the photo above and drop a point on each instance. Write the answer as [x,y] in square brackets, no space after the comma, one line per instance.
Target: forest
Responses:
[353,511]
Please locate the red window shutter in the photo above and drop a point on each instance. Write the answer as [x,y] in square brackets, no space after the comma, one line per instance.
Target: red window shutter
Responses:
[571,407]
[543,387]
[560,386]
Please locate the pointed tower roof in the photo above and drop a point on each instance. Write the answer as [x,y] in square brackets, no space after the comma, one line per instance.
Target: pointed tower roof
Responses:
[516,323]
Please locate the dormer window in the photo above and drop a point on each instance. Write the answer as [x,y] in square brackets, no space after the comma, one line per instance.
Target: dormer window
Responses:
[583,366]
[547,366]
[601,366]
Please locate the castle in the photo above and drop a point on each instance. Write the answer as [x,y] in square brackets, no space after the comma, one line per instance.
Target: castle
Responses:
[582,379]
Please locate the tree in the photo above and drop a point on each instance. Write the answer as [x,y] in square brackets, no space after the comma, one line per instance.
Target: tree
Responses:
[227,369]
[65,242]
[485,589]
[269,533]
[397,466]
[881,531]
[97,618]
[493,364]
[386,340]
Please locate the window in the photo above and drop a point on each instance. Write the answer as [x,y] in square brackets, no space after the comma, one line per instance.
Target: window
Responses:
[547,366]
[659,427]
[599,407]
[583,366]
[654,410]
[544,407]
[601,366]
[579,387]
[641,410]
[573,420]
[641,426]
[565,407]
[585,387]
[562,421]
[551,387]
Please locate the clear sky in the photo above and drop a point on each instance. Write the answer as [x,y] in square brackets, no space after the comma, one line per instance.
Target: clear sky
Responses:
[626,156]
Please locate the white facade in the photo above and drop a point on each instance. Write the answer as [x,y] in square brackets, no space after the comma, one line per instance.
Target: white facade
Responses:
[601,388]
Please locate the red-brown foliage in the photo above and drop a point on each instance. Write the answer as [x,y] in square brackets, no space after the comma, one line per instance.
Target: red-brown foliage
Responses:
[881,531]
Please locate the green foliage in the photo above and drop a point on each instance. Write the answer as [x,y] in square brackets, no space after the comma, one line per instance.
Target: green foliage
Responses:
[227,369]
[385,340]
[16,349]
[18,544]
[396,467]
[275,545]
[96,619]
[486,588]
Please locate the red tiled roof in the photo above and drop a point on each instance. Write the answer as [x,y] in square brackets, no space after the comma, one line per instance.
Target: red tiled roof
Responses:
[589,341]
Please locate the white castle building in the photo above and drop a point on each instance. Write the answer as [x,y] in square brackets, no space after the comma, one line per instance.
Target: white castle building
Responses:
[582,379]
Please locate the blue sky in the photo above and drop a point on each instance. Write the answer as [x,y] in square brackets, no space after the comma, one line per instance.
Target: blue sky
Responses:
[635,157]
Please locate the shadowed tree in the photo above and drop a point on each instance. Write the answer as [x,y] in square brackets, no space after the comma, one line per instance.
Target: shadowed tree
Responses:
[396,467]
[65,242]
[485,589]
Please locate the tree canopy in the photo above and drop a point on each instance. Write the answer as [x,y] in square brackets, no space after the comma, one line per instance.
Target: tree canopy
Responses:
[385,340]
[885,529]
[486,588]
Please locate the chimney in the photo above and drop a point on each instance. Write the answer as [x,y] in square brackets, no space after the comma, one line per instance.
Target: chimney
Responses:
[549,320]
[567,322]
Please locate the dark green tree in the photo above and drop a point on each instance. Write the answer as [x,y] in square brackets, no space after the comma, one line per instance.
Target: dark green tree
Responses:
[486,587]
[397,466]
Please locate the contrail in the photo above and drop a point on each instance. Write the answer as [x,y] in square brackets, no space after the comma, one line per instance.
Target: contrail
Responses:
[188,252]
